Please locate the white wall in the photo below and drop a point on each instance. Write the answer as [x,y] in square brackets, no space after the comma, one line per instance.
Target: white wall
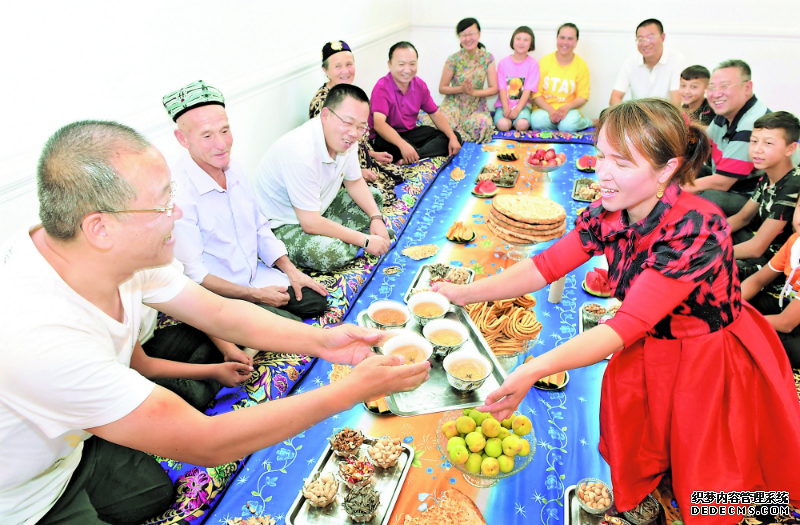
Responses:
[765,34]
[65,61]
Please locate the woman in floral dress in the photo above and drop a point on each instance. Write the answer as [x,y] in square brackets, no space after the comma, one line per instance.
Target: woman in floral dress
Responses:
[376,166]
[699,387]
[463,78]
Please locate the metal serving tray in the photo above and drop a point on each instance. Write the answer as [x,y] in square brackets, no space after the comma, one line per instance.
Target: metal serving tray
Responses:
[513,183]
[388,482]
[436,394]
[577,185]
[423,279]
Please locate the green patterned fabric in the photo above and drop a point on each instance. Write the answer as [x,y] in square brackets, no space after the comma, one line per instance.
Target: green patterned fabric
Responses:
[194,95]
[327,253]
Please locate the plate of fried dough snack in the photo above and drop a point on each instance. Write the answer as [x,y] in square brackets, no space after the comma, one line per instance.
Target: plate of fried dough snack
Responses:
[508,326]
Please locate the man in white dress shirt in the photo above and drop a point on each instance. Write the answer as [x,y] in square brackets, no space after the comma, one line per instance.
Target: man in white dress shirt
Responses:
[78,414]
[309,186]
[224,242]
[653,72]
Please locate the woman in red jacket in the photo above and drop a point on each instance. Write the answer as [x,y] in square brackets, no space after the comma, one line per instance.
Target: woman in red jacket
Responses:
[699,383]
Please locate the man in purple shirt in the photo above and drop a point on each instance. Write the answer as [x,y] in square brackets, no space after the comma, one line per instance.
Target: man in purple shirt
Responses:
[395,104]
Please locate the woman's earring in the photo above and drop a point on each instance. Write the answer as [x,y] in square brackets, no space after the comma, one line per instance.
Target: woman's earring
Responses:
[660,192]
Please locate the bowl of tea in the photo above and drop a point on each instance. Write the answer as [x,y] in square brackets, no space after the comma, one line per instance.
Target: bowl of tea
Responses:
[445,335]
[387,314]
[411,346]
[427,306]
[466,371]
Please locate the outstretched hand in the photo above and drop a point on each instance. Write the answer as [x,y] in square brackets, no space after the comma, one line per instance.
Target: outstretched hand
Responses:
[349,344]
[380,376]
[455,293]
[505,400]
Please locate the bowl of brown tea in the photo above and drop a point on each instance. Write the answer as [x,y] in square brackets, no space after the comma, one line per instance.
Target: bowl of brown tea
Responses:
[466,371]
[386,314]
[446,336]
[409,345]
[428,306]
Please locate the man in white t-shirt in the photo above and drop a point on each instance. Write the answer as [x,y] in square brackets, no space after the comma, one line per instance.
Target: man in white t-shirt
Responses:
[71,366]
[653,72]
[299,181]
[224,242]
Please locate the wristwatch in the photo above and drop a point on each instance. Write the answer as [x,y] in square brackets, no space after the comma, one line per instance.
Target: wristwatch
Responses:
[366,242]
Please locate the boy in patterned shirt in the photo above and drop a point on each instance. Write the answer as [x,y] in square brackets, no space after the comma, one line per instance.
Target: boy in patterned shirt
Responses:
[762,226]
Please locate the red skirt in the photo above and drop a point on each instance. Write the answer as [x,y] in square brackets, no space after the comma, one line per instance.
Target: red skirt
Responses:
[720,411]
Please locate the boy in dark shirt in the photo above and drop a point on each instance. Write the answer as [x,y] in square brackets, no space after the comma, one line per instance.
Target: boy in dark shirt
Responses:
[764,223]
[694,81]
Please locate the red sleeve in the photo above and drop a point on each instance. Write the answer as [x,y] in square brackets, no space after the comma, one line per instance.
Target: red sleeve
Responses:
[379,101]
[652,297]
[562,257]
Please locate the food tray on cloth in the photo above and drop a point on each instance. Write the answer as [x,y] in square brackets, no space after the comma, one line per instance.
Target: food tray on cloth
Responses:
[535,135]
[436,394]
[583,191]
[505,176]
[575,515]
[389,482]
[422,280]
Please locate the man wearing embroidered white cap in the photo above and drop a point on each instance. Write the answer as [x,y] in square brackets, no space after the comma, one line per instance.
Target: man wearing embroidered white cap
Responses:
[224,242]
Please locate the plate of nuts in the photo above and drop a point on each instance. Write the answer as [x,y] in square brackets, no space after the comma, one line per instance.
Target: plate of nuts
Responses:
[361,504]
[356,471]
[594,496]
[321,490]
[346,442]
[385,452]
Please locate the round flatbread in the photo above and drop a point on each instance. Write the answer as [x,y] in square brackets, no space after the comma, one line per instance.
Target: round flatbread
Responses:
[502,220]
[521,239]
[530,209]
[557,228]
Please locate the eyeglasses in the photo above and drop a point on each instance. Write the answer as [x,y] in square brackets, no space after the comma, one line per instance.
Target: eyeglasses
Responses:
[168,208]
[725,86]
[643,39]
[468,35]
[363,130]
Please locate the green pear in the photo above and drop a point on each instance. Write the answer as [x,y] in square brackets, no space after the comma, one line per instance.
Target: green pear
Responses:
[505,463]
[473,463]
[459,455]
[490,467]
[507,422]
[494,447]
[491,427]
[521,425]
[512,445]
[526,448]
[465,424]
[449,429]
[455,440]
[475,442]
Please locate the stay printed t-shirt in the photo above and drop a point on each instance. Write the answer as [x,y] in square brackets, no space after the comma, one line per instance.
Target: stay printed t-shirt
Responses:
[558,84]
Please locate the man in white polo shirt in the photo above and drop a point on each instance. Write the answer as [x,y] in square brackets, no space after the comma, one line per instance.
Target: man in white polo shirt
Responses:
[78,417]
[223,241]
[309,187]
[653,72]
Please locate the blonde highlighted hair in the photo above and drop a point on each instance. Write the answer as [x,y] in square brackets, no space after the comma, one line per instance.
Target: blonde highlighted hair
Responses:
[659,132]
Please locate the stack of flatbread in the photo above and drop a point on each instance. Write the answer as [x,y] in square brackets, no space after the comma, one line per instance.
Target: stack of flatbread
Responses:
[525,219]
[454,508]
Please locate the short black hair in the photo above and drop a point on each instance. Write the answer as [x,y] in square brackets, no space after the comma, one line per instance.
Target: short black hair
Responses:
[465,23]
[741,65]
[402,45]
[528,31]
[695,72]
[650,21]
[573,26]
[780,120]
[339,92]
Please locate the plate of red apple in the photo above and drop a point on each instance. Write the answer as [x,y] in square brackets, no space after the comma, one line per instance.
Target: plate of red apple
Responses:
[545,160]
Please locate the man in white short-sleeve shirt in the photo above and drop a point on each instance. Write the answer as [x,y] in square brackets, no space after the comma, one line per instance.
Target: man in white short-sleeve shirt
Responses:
[299,183]
[77,414]
[224,242]
[653,72]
